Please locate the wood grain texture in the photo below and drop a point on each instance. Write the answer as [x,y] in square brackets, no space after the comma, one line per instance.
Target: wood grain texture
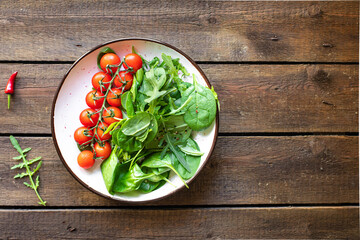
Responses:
[206,30]
[242,170]
[254,98]
[229,223]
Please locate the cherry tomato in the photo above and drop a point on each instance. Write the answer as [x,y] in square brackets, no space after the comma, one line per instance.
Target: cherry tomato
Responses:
[128,77]
[109,114]
[104,78]
[89,117]
[86,159]
[114,99]
[83,135]
[102,152]
[109,59]
[133,60]
[100,132]
[94,103]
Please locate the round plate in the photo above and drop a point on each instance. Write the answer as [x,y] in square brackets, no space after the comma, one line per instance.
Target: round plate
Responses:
[69,101]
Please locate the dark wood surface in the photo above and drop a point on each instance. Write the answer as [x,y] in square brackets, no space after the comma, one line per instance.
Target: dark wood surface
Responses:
[286,164]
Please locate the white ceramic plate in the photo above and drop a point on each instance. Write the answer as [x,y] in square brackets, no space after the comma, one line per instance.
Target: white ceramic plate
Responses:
[69,101]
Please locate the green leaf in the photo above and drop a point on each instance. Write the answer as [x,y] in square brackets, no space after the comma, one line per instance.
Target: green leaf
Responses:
[17,158]
[136,124]
[216,97]
[155,161]
[37,168]
[168,61]
[126,102]
[139,76]
[130,180]
[190,148]
[28,185]
[128,143]
[177,154]
[185,104]
[110,170]
[102,52]
[26,150]
[15,144]
[201,111]
[21,175]
[153,81]
[37,182]
[133,89]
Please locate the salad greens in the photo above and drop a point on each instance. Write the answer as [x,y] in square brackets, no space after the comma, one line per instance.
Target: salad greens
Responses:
[154,138]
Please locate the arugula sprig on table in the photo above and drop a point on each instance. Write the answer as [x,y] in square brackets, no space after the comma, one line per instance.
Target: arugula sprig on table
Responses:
[26,164]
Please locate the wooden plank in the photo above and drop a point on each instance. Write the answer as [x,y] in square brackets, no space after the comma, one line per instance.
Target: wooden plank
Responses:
[254,98]
[219,223]
[207,31]
[242,170]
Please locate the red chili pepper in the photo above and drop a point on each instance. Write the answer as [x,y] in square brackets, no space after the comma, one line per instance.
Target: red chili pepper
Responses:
[10,87]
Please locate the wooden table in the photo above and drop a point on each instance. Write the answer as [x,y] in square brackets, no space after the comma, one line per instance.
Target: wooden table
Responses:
[286,161]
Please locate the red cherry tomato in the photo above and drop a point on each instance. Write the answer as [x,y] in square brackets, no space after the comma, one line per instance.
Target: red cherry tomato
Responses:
[114,99]
[92,101]
[133,60]
[109,59]
[102,152]
[86,159]
[101,77]
[128,77]
[83,135]
[109,114]
[100,132]
[89,117]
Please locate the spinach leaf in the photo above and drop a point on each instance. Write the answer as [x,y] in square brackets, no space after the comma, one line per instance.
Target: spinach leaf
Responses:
[190,148]
[127,103]
[110,170]
[130,179]
[102,52]
[192,161]
[136,124]
[201,110]
[155,161]
[127,143]
[153,127]
[147,186]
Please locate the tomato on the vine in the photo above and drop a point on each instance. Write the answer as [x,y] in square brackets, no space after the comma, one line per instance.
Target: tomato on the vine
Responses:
[133,60]
[99,132]
[124,76]
[94,99]
[109,59]
[83,135]
[114,97]
[102,152]
[101,77]
[111,112]
[86,159]
[89,117]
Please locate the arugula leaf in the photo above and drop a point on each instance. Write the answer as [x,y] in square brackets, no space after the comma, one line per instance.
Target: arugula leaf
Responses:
[26,164]
[153,81]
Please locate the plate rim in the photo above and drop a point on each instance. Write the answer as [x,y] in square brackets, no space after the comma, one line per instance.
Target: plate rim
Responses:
[57,94]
